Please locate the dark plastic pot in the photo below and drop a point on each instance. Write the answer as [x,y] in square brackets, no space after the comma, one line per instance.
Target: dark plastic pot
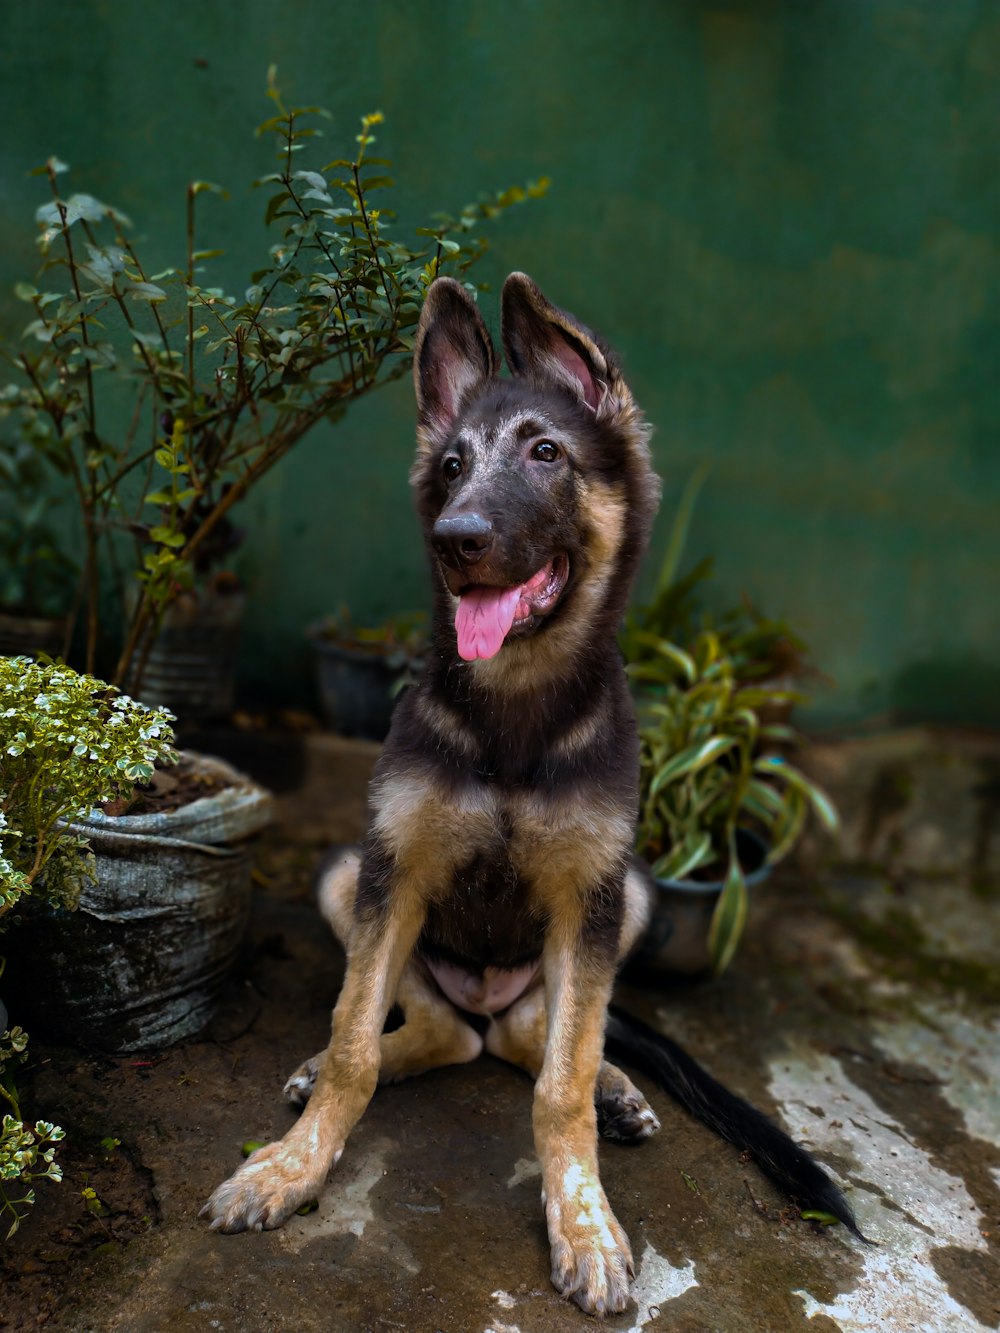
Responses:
[191,667]
[142,961]
[676,939]
[355,687]
[27,636]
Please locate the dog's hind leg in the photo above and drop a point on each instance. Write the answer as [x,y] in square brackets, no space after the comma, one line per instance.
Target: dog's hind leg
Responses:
[432,1034]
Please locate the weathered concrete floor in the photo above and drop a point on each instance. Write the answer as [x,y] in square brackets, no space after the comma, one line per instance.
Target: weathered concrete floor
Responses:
[862,1012]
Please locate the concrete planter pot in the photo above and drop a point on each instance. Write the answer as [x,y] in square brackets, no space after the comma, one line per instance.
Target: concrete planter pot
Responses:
[676,939]
[141,963]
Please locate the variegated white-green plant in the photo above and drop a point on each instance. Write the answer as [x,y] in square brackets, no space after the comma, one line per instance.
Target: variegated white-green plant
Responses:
[27,1152]
[68,742]
[709,766]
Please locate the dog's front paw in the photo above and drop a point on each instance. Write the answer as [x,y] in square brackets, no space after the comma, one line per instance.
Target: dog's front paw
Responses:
[265,1191]
[299,1087]
[591,1256]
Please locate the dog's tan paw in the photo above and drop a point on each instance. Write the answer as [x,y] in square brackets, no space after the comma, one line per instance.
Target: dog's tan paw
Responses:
[265,1191]
[299,1087]
[591,1256]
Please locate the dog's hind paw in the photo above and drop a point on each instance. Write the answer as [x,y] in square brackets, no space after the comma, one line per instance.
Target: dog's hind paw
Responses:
[622,1111]
[299,1087]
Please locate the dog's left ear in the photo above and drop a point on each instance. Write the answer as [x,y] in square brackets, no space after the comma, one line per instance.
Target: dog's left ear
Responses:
[542,340]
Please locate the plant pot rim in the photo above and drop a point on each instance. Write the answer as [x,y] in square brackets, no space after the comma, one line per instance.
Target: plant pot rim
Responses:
[699,888]
[350,649]
[246,807]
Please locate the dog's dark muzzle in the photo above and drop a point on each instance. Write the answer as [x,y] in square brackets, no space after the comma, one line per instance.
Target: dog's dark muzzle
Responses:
[462,539]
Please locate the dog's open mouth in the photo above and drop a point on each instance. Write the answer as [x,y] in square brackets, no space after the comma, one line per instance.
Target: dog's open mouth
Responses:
[487,614]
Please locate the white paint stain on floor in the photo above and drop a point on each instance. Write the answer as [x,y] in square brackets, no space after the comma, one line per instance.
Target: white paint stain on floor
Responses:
[898,1287]
[963,1050]
[345,1206]
[658,1282]
[525,1168]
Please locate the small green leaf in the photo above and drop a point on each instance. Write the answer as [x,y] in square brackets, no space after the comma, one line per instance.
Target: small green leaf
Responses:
[777,767]
[690,760]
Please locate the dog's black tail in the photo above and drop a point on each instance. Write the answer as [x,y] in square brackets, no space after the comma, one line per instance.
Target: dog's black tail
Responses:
[781,1160]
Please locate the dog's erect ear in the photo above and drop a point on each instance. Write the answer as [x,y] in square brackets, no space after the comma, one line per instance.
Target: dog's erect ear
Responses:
[539,339]
[453,353]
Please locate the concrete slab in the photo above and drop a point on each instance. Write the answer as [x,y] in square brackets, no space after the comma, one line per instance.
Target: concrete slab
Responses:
[864,1012]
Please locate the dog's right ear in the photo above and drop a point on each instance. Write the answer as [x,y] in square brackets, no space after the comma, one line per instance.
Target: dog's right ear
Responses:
[453,353]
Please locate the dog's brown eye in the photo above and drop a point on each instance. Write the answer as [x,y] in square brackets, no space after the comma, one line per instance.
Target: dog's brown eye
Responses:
[451,467]
[545,451]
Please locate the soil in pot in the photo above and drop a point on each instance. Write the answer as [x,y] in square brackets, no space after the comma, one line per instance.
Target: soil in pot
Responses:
[142,961]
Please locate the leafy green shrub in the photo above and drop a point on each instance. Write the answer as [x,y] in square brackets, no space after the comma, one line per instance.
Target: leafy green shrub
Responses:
[36,574]
[222,385]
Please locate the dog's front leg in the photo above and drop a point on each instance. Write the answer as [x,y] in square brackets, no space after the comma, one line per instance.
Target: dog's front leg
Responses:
[591,1258]
[280,1177]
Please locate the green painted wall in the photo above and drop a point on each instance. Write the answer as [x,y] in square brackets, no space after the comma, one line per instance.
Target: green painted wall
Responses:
[784,214]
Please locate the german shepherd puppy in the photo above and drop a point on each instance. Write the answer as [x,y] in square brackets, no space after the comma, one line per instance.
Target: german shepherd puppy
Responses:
[496,878]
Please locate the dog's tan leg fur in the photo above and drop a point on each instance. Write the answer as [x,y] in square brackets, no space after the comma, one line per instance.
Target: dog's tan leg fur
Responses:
[591,1257]
[518,1037]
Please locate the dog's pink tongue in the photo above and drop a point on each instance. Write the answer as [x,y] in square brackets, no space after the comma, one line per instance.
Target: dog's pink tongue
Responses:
[483,619]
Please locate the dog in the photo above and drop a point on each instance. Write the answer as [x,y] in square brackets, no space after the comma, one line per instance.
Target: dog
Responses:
[496,894]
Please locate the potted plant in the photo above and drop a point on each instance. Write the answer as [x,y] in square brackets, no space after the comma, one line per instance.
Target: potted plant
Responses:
[361,670]
[719,801]
[221,386]
[143,875]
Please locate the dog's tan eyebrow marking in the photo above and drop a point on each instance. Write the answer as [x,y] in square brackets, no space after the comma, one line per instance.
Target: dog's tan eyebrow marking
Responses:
[532,426]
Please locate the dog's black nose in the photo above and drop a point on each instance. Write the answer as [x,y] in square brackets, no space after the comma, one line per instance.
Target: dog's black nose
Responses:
[462,539]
